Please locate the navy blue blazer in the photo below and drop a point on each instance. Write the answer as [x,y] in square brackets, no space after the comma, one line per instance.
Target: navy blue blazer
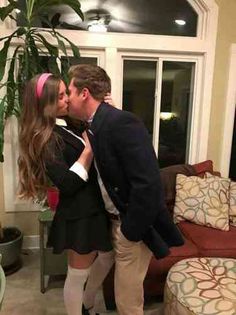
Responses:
[78,199]
[129,170]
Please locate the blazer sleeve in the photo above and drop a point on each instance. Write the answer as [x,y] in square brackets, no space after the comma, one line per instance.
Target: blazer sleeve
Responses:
[135,152]
[67,181]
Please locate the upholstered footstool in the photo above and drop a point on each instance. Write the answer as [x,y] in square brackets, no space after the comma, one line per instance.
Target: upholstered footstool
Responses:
[201,286]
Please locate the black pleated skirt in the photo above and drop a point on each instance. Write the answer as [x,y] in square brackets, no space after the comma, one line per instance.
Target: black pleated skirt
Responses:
[82,235]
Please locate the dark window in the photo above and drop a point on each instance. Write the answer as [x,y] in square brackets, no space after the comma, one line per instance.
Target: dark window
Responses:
[175,117]
[70,61]
[128,16]
[139,89]
[232,171]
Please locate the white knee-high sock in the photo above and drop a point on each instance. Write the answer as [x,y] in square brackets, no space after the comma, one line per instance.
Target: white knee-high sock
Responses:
[98,273]
[73,290]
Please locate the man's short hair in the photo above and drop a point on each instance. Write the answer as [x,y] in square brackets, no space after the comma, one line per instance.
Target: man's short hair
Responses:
[92,77]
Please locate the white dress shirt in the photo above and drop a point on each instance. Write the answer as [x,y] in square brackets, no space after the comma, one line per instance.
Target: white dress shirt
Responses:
[109,205]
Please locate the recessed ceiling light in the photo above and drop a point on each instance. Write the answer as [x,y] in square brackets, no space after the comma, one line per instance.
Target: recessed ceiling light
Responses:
[180,22]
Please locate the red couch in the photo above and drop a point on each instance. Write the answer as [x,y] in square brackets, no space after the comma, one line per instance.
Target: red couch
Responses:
[199,240]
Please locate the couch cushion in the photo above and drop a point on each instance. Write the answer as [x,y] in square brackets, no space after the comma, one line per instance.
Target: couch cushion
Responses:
[202,167]
[211,242]
[168,178]
[161,266]
[204,201]
[158,268]
[232,202]
[232,199]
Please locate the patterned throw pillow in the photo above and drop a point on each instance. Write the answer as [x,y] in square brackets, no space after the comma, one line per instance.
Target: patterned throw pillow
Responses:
[232,200]
[232,203]
[204,201]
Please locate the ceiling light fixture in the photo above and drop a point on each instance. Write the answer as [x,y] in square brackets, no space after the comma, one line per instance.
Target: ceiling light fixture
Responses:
[166,115]
[97,26]
[180,22]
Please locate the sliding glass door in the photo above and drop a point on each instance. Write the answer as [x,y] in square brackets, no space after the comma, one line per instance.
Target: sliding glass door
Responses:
[160,92]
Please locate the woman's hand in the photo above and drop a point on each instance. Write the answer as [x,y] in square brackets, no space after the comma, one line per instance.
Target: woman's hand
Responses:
[108,99]
[86,156]
[87,143]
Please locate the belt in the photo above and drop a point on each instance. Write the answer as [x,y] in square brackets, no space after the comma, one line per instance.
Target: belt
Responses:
[113,216]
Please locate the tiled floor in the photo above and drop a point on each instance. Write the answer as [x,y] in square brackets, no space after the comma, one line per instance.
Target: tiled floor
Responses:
[23,296]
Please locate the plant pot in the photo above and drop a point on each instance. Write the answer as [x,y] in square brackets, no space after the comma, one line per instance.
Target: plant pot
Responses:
[52,198]
[2,283]
[10,247]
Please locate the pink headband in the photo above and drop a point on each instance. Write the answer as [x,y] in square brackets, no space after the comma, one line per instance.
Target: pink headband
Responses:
[40,83]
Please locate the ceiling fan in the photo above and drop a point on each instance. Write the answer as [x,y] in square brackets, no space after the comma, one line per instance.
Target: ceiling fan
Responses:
[95,19]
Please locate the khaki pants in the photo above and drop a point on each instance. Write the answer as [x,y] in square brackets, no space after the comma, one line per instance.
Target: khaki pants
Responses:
[132,260]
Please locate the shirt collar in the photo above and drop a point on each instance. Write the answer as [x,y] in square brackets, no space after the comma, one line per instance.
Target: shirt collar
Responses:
[61,122]
[90,120]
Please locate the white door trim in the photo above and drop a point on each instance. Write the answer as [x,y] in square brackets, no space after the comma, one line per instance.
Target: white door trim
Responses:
[229,115]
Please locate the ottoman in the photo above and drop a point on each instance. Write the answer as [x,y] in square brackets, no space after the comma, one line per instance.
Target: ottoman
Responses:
[201,286]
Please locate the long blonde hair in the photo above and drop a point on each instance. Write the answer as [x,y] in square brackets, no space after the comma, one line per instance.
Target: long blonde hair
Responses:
[36,138]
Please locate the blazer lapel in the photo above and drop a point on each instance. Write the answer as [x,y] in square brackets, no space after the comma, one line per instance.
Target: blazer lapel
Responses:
[96,137]
[75,142]
[99,117]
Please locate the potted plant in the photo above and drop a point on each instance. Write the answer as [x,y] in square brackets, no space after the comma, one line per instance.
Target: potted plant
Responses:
[11,239]
[2,283]
[28,44]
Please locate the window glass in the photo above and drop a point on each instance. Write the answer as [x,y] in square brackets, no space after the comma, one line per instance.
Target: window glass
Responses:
[45,63]
[176,103]
[175,116]
[126,16]
[75,61]
[232,171]
[139,83]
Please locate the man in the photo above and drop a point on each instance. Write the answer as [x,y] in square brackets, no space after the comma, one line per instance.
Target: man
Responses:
[130,182]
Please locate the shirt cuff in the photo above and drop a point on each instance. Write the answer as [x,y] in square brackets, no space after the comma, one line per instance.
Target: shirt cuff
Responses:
[79,170]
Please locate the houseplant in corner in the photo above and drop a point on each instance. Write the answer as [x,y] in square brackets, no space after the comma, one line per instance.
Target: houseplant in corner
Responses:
[11,239]
[21,57]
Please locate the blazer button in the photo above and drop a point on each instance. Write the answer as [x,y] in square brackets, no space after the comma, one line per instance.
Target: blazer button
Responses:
[116,189]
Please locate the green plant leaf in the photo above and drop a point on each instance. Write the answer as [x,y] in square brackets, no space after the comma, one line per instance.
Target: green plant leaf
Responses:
[21,31]
[52,52]
[53,66]
[5,11]
[3,54]
[34,57]
[2,120]
[33,44]
[61,44]
[74,48]
[51,49]
[65,65]
[74,4]
[11,85]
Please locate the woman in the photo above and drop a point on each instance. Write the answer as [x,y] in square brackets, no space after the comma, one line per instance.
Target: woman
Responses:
[49,149]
